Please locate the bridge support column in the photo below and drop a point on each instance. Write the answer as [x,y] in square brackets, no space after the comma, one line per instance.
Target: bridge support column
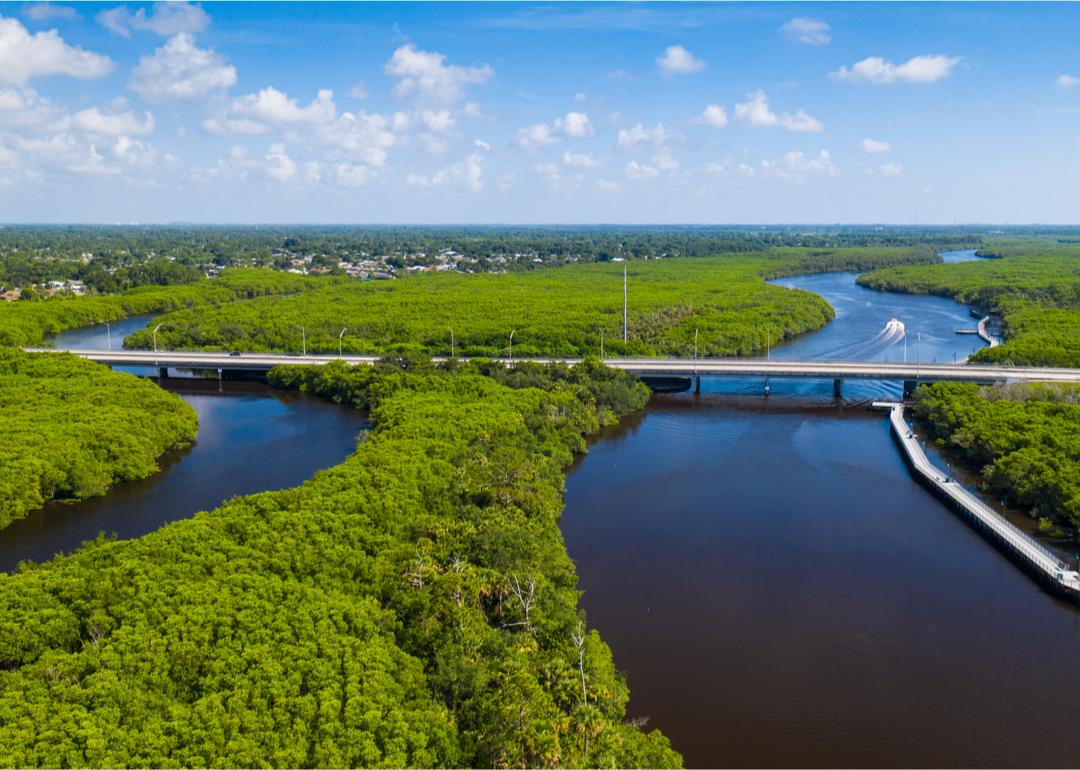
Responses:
[163,373]
[219,386]
[909,388]
[767,386]
[838,388]
[697,384]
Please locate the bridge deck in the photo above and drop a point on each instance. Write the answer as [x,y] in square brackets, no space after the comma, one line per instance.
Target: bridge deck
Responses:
[1041,559]
[752,367]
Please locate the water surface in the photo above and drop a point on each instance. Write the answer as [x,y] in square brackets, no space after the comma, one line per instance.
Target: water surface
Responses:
[782,593]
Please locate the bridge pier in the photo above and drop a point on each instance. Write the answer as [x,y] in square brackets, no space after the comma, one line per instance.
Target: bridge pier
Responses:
[767,385]
[697,384]
[219,383]
[909,388]
[163,373]
[838,388]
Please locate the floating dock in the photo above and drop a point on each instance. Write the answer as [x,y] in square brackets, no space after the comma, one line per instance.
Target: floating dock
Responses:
[1037,560]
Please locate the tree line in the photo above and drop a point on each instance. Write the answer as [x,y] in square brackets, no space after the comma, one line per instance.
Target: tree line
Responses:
[413,606]
[71,429]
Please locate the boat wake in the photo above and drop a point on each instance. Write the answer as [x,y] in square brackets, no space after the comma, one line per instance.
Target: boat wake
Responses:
[892,333]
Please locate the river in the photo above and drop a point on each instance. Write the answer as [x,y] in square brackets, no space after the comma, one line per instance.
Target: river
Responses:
[251,439]
[781,592]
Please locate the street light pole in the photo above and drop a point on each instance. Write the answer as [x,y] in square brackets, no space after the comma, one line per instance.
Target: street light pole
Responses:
[452,355]
[695,349]
[339,338]
[155,336]
[108,332]
[624,303]
[768,344]
[303,340]
[512,346]
[601,344]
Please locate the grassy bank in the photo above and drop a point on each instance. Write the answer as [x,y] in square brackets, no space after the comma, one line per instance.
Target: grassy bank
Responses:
[71,429]
[1023,439]
[26,322]
[559,312]
[413,606]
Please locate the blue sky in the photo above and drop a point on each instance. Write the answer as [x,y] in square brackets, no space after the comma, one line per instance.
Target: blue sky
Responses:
[538,112]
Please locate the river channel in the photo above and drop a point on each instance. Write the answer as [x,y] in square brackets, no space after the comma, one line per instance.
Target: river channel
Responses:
[782,593]
[251,439]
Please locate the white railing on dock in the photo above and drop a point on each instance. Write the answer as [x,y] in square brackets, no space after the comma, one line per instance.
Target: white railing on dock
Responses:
[1041,557]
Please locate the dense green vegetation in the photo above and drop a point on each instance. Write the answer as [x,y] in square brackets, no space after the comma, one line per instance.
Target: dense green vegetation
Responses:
[414,606]
[1025,440]
[1035,286]
[27,322]
[111,259]
[551,312]
[72,428]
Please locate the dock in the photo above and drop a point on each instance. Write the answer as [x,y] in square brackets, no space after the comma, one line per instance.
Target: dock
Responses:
[1040,562]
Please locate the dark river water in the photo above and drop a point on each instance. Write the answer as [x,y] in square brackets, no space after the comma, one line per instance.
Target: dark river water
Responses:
[781,593]
[251,438]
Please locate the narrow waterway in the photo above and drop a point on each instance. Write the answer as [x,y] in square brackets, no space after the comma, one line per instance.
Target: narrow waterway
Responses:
[780,591]
[251,439]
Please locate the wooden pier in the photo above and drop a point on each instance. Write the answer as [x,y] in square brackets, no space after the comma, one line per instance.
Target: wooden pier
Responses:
[1037,560]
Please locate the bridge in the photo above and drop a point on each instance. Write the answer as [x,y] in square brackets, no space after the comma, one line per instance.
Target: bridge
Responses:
[838,371]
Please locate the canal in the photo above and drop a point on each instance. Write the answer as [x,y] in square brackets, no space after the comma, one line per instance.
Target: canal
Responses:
[781,592]
[251,439]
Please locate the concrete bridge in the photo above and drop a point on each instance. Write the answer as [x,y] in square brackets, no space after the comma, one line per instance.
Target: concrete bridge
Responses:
[837,371]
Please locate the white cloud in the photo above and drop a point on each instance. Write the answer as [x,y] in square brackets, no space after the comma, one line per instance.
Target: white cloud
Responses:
[891,169]
[918,69]
[580,160]
[359,90]
[874,146]
[279,165]
[467,173]
[179,72]
[424,75]
[580,96]
[165,19]
[26,110]
[636,170]
[575,124]
[756,112]
[536,137]
[481,144]
[662,162]
[638,134]
[24,56]
[441,120]
[1067,81]
[796,166]
[275,107]
[46,11]
[365,136]
[117,122]
[807,31]
[715,116]
[352,174]
[678,61]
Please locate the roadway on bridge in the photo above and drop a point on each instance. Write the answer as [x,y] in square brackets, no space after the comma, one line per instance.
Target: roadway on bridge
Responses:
[758,367]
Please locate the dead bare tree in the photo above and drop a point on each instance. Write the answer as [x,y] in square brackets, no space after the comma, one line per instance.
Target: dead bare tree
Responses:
[525,593]
[578,638]
[416,577]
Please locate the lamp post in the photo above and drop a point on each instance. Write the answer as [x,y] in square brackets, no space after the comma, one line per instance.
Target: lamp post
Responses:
[601,344]
[339,338]
[108,332]
[155,336]
[303,340]
[695,349]
[512,346]
[452,355]
[768,344]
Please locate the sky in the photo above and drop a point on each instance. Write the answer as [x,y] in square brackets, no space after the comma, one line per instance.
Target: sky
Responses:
[728,113]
